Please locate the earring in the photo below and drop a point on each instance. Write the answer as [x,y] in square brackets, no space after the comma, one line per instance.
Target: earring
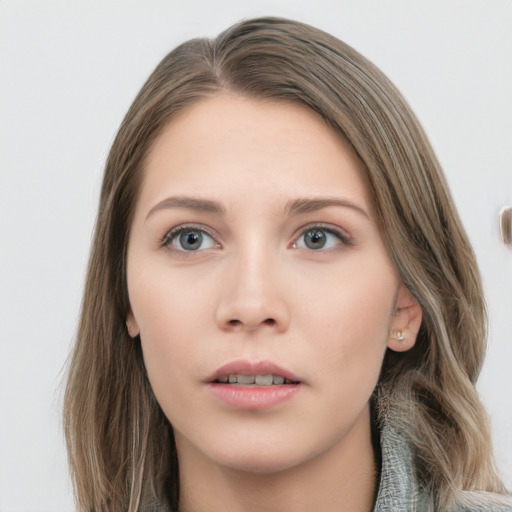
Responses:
[399,336]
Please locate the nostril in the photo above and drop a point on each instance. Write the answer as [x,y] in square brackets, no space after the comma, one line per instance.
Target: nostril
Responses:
[237,323]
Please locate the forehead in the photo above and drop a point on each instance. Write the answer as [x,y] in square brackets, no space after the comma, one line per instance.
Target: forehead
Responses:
[223,144]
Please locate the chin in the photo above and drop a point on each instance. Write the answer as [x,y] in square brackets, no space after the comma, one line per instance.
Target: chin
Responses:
[264,454]
[257,453]
[260,463]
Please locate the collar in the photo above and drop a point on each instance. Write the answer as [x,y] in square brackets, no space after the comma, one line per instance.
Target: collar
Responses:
[398,490]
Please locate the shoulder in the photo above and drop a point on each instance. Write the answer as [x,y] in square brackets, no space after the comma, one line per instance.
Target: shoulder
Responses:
[400,490]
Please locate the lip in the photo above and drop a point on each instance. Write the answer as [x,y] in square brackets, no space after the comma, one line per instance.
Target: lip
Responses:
[245,367]
[253,397]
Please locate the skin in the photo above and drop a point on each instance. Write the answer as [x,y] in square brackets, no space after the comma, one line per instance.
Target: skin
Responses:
[254,290]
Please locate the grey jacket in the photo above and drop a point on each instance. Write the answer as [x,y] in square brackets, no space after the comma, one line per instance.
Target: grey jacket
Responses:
[399,490]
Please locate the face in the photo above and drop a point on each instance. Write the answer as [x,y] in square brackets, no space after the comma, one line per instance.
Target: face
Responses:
[260,286]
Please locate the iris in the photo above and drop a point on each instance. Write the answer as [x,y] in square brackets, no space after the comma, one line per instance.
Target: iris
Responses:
[315,239]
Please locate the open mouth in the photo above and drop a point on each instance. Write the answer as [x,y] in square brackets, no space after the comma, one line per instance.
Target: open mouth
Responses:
[254,380]
[253,386]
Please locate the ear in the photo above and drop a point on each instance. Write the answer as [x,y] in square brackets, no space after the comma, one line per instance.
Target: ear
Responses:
[406,321]
[131,325]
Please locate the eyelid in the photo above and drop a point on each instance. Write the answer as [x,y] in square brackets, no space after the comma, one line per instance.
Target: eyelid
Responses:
[171,234]
[344,237]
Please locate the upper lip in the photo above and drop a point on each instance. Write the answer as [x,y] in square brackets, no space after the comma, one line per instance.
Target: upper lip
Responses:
[245,367]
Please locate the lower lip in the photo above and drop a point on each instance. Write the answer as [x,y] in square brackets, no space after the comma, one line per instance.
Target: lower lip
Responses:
[253,397]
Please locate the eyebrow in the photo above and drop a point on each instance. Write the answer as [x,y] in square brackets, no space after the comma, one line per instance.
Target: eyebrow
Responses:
[188,202]
[295,207]
[307,205]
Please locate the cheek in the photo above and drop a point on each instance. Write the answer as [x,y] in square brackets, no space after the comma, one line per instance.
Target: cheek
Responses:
[354,300]
[349,325]
[167,313]
[166,303]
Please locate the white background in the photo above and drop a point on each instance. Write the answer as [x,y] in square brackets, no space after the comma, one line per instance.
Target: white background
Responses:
[68,72]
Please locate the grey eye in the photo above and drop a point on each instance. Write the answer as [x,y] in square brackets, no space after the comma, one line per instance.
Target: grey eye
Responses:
[317,238]
[190,239]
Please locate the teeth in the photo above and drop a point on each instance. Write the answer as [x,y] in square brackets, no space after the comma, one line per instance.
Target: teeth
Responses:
[264,380]
[258,380]
[246,379]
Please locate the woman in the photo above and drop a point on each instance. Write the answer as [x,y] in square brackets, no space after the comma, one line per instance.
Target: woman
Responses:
[282,310]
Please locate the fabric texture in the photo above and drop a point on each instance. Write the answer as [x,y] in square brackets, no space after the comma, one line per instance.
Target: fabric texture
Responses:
[399,490]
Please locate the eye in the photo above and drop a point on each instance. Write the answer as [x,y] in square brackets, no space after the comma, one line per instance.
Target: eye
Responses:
[189,239]
[320,238]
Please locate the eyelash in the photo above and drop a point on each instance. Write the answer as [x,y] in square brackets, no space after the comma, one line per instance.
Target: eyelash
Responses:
[342,236]
[174,233]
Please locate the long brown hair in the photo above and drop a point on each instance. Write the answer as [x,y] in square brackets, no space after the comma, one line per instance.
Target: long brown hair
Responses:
[120,444]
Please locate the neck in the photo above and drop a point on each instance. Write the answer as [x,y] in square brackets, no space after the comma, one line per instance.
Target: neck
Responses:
[342,478]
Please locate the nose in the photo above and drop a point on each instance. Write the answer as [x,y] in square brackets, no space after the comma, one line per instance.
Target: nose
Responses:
[252,297]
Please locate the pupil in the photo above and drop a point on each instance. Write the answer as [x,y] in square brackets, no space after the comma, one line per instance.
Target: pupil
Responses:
[191,240]
[315,239]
